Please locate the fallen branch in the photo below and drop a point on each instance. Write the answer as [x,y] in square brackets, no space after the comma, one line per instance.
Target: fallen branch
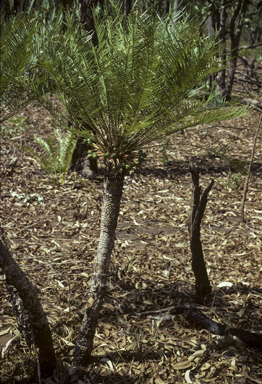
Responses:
[252,339]
[196,316]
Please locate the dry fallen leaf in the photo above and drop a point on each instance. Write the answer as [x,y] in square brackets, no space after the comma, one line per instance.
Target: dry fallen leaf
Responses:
[152,271]
[182,364]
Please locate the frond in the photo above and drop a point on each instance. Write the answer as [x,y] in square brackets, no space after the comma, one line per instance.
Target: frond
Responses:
[57,158]
[66,148]
[205,112]
[140,84]
[49,148]
[16,59]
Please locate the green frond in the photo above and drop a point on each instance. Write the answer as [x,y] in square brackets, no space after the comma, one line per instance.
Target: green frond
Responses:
[49,149]
[194,117]
[57,157]
[142,82]
[16,59]
[66,148]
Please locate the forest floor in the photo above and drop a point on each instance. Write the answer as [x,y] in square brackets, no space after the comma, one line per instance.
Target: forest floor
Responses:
[53,234]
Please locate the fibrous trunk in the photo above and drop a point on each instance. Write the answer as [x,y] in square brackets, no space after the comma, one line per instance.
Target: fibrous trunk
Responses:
[112,192]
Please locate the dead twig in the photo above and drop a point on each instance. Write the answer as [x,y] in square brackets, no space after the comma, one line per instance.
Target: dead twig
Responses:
[198,205]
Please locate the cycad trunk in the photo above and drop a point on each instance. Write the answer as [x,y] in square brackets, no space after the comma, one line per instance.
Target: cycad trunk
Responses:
[112,192]
[16,278]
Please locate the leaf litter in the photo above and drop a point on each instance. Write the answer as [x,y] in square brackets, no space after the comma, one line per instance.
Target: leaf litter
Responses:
[140,337]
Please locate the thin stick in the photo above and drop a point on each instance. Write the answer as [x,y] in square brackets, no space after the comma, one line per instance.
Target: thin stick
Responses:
[249,172]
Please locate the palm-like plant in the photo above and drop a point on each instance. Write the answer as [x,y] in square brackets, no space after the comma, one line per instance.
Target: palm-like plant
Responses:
[23,40]
[140,84]
[16,60]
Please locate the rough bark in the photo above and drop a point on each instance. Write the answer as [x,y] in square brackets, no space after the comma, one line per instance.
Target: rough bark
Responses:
[15,277]
[22,316]
[203,287]
[112,192]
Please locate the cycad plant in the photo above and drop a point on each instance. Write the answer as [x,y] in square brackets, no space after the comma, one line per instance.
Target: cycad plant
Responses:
[57,156]
[23,40]
[142,83]
[16,59]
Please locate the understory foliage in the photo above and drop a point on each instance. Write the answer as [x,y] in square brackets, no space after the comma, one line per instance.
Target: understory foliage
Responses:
[57,156]
[141,83]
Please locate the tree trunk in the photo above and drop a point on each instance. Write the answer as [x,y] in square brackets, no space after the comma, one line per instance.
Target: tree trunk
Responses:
[167,7]
[213,25]
[86,16]
[22,316]
[16,278]
[221,77]
[127,6]
[203,287]
[235,34]
[112,192]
